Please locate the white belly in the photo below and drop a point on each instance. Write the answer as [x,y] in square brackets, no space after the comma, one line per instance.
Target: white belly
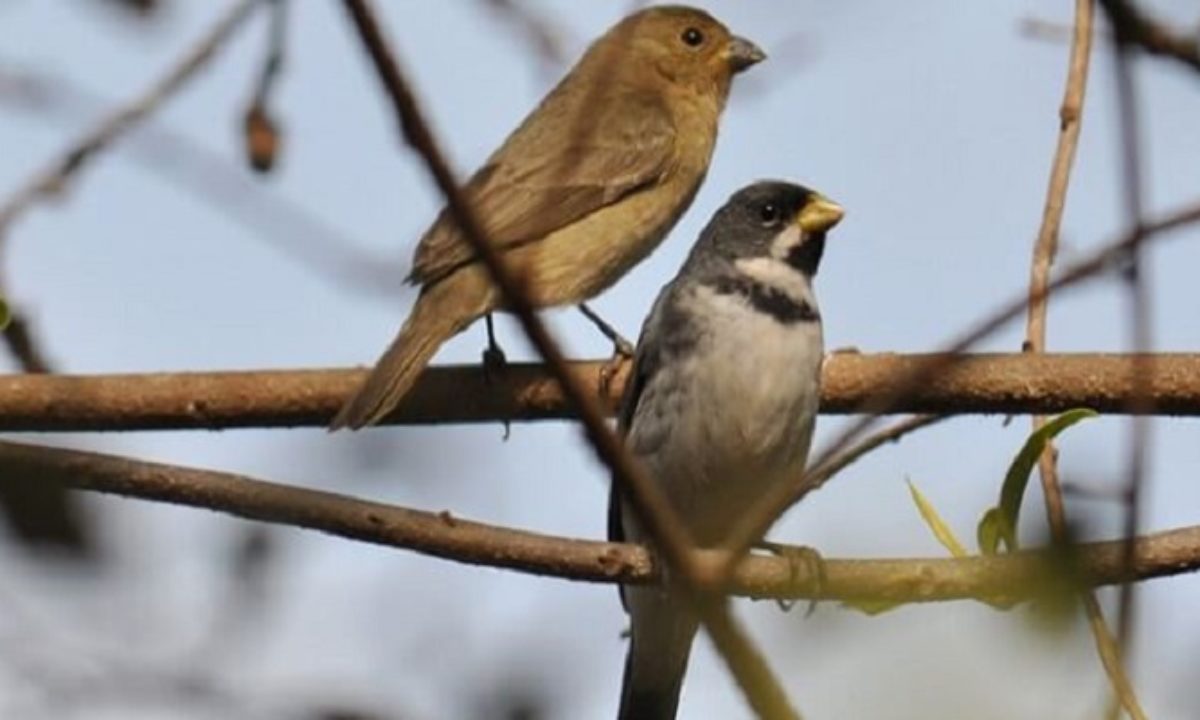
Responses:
[745,414]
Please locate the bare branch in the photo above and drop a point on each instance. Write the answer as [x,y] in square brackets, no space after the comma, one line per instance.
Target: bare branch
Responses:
[445,536]
[1045,249]
[292,228]
[199,170]
[262,134]
[546,37]
[21,340]
[818,476]
[1127,26]
[985,383]
[51,179]
[1133,26]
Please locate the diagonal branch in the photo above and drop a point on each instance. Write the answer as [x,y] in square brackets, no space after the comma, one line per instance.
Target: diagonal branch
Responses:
[290,227]
[1134,274]
[51,179]
[1045,249]
[816,477]
[647,499]
[1134,26]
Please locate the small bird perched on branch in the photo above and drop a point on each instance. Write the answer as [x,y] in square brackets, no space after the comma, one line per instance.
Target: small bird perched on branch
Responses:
[584,189]
[721,403]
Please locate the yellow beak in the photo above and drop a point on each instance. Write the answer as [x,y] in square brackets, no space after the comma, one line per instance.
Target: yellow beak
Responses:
[819,214]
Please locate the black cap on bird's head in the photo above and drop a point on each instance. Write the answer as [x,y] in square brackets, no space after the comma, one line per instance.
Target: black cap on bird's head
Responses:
[772,219]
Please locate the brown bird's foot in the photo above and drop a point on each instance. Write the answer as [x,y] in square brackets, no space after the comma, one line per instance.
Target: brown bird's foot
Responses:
[621,346]
[495,364]
[802,562]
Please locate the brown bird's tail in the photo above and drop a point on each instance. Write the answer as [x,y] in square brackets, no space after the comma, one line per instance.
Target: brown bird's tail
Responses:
[442,311]
[660,641]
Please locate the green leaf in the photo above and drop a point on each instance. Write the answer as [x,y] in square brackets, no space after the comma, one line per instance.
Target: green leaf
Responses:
[991,531]
[940,529]
[999,524]
[5,315]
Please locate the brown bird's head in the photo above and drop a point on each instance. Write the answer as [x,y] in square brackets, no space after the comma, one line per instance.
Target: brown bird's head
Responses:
[685,46]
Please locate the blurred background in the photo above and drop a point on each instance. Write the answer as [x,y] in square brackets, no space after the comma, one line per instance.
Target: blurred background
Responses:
[932,122]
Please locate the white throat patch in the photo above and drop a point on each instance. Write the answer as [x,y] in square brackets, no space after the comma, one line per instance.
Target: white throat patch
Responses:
[774,270]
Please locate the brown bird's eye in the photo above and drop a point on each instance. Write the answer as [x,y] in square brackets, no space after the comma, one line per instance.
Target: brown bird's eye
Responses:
[692,37]
[769,213]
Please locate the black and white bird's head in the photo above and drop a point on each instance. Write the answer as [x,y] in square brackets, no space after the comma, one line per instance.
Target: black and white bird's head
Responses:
[765,245]
[771,221]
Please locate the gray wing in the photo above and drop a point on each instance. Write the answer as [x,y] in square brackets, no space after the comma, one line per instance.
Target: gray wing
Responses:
[666,338]
[645,362]
[571,162]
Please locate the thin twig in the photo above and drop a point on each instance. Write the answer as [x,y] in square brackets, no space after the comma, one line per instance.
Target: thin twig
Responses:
[647,499]
[290,227]
[1044,251]
[445,536]
[1109,649]
[545,37]
[21,340]
[818,476]
[1036,28]
[276,52]
[1127,31]
[262,135]
[53,178]
[1046,247]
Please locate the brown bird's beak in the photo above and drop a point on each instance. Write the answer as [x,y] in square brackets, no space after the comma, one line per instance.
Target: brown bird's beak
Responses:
[740,53]
[819,214]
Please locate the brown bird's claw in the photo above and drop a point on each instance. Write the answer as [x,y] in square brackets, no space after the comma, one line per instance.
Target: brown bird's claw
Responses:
[495,364]
[802,562]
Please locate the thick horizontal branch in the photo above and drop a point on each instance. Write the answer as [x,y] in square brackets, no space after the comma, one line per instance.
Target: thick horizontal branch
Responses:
[445,536]
[1016,384]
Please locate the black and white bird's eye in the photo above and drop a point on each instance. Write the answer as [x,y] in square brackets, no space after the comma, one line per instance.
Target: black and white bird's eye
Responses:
[692,37]
[769,214]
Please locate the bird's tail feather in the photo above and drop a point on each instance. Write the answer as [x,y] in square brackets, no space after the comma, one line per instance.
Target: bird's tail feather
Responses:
[659,644]
[441,312]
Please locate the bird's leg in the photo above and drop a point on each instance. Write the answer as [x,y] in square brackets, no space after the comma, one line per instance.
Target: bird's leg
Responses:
[621,346]
[622,349]
[804,561]
[494,359]
[494,364]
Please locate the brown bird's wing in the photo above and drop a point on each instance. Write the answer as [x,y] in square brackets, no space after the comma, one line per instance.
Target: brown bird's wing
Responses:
[558,167]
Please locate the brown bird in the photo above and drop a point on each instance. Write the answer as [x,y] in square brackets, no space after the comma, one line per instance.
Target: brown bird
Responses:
[584,189]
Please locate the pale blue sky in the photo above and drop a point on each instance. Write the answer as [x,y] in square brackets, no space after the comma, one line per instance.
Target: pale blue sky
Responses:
[932,122]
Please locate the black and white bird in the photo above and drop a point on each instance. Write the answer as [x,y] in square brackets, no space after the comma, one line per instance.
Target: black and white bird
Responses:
[722,401]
